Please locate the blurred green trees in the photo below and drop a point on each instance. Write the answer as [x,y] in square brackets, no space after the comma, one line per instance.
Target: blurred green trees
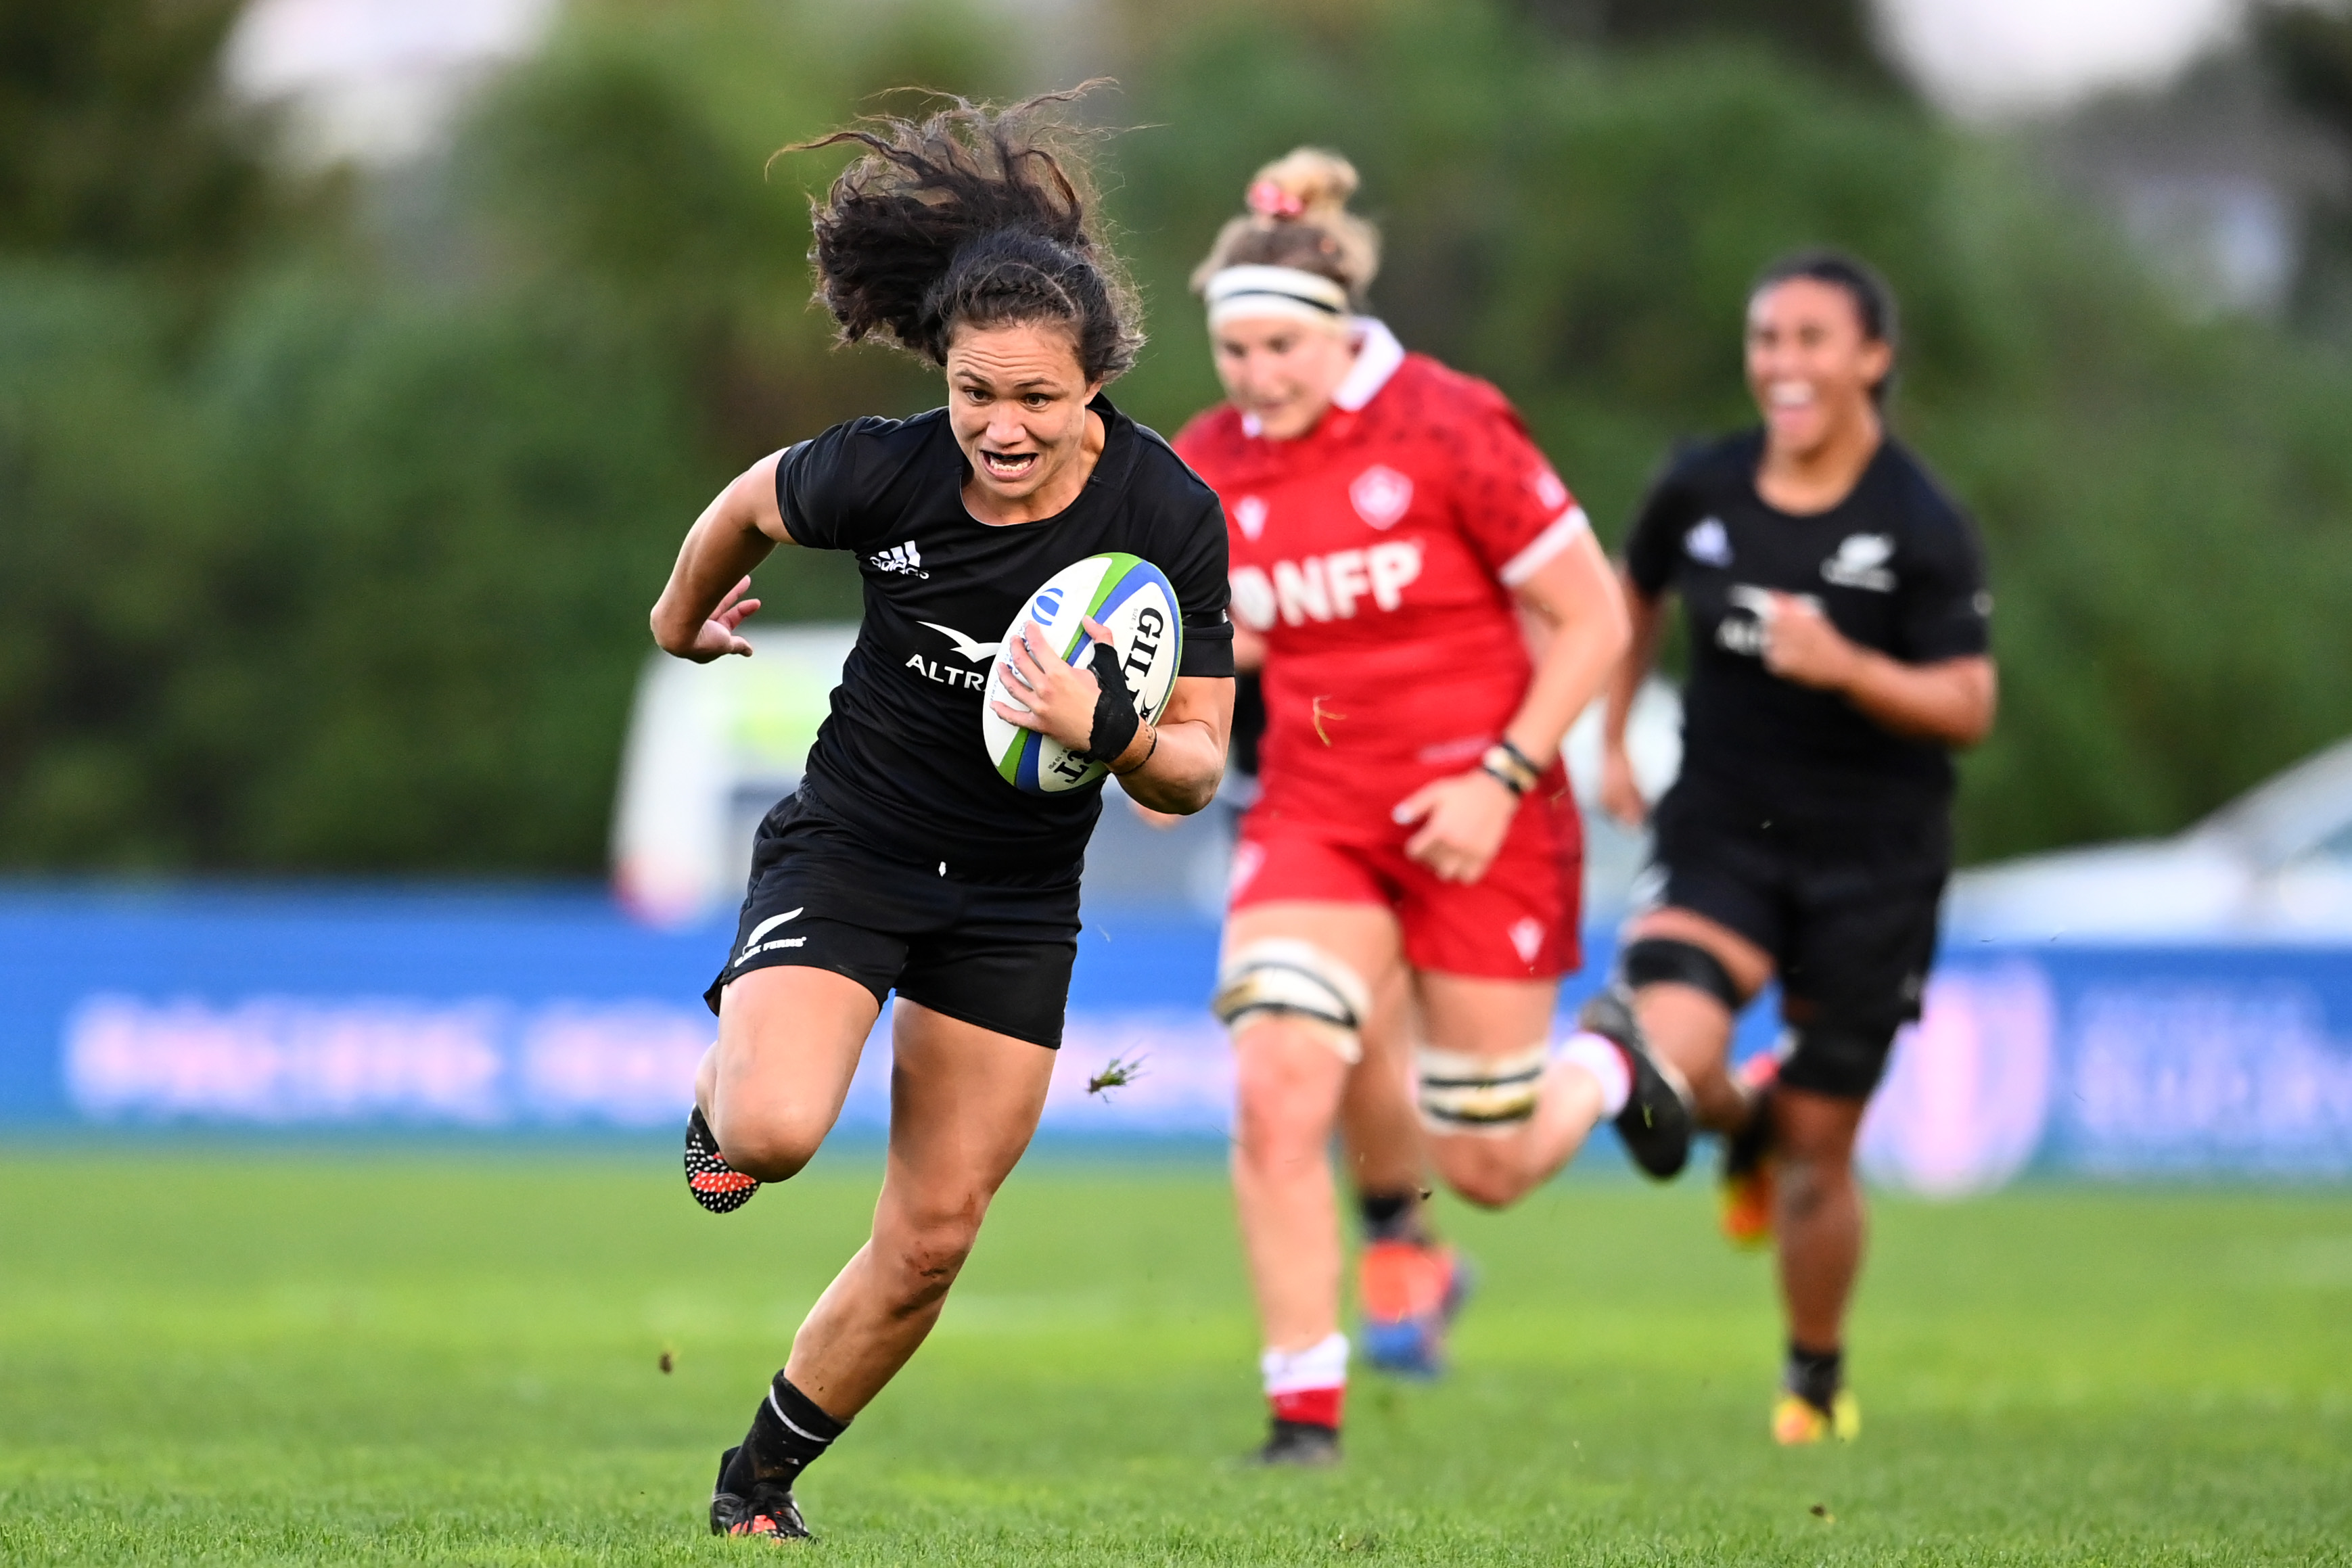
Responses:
[352,573]
[2169,504]
[116,140]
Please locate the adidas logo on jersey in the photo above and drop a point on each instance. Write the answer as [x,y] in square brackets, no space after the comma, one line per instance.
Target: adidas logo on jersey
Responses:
[1326,587]
[899,558]
[1708,543]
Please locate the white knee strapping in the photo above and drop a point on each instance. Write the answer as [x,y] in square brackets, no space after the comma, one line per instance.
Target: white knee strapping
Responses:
[1300,982]
[1463,1093]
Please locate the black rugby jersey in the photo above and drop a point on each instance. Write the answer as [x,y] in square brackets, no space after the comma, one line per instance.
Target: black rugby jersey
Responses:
[900,760]
[1896,566]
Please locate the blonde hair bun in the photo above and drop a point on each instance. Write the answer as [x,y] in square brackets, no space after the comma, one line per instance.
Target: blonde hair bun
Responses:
[1305,183]
[1297,216]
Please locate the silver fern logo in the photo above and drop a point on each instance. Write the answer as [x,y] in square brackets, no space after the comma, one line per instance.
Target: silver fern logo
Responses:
[1860,562]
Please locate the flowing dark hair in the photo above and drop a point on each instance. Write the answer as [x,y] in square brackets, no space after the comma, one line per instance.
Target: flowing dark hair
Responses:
[1874,300]
[974,217]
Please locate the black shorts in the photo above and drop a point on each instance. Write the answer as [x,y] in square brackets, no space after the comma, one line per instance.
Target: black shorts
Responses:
[1847,910]
[993,953]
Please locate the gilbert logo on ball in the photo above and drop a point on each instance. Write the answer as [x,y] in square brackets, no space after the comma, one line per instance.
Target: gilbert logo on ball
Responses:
[1131,599]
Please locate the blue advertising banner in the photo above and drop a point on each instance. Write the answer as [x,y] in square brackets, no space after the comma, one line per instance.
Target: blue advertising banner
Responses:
[463,1009]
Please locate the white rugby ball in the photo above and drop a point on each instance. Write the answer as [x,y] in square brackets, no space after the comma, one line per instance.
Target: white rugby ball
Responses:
[1129,598]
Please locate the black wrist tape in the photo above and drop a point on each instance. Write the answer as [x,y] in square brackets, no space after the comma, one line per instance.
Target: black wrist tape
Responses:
[1116,720]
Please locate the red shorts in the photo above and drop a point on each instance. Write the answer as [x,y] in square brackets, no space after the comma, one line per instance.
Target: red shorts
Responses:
[1517,922]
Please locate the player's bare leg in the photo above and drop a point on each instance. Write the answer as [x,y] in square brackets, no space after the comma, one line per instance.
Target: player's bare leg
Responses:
[964,1102]
[1409,1284]
[1291,1073]
[767,1093]
[1690,977]
[1690,1026]
[1819,1209]
[789,1041]
[1498,1020]
[1819,1224]
[1379,1132]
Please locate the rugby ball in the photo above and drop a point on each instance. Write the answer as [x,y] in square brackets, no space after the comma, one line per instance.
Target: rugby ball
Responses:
[1129,598]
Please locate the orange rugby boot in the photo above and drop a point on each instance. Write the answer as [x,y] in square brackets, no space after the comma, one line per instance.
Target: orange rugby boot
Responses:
[1746,1186]
[1410,1292]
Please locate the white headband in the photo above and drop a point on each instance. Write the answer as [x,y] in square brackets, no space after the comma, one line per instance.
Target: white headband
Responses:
[1237,292]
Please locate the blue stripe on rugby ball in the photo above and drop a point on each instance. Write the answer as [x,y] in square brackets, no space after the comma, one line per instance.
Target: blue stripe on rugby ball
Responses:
[1103,587]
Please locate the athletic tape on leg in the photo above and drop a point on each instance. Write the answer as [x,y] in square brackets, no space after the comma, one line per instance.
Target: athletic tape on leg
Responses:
[1843,1060]
[1323,1365]
[1668,960]
[1296,980]
[1463,1093]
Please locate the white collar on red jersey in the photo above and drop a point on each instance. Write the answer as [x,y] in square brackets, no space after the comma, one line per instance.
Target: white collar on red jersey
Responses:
[1379,356]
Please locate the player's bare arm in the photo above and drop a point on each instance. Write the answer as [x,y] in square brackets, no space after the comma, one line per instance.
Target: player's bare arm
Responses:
[1951,701]
[1645,620]
[1249,649]
[1181,774]
[1574,597]
[705,600]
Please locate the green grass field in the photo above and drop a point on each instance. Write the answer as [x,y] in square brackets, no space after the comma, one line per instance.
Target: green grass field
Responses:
[448,1358]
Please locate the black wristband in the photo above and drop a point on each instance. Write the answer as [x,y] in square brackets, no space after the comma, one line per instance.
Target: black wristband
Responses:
[1500,777]
[1116,720]
[1520,757]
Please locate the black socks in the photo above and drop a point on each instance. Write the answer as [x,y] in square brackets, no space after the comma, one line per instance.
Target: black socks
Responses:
[788,1434]
[1814,1376]
[1392,1216]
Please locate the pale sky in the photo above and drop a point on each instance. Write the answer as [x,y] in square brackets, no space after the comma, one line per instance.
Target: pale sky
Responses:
[373,78]
[1988,57]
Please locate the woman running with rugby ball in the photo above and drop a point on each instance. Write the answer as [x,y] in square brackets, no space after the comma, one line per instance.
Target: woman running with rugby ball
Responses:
[905,861]
[1389,518]
[1838,621]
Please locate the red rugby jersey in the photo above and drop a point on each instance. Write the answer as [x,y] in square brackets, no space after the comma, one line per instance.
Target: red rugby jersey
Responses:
[1377,554]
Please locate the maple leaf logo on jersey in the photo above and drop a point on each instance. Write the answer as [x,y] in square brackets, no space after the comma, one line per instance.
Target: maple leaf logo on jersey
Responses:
[1249,516]
[1380,495]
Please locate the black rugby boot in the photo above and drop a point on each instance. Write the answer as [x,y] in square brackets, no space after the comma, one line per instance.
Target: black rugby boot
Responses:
[1298,1444]
[1656,1123]
[716,1184]
[790,1432]
[761,1508]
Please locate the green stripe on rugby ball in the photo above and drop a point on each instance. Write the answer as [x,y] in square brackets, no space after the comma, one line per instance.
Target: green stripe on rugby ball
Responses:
[1137,604]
